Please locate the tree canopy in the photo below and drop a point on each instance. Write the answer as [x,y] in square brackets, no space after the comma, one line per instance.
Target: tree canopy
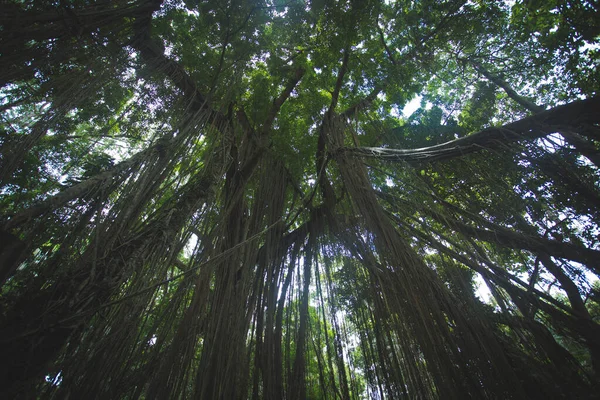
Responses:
[299,199]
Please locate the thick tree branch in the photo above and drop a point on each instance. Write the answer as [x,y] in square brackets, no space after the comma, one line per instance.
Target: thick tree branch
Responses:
[578,141]
[153,55]
[512,239]
[360,105]
[495,274]
[278,102]
[385,46]
[572,115]
[525,103]
[79,190]
[568,286]
[340,80]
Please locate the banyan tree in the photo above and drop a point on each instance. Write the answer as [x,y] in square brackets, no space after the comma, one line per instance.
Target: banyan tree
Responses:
[299,199]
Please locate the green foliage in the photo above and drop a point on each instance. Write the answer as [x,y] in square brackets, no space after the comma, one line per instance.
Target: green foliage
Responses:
[196,203]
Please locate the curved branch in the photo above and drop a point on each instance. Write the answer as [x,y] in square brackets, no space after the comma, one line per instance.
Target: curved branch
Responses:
[572,115]
[508,238]
[153,55]
[340,80]
[522,101]
[285,94]
[578,141]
